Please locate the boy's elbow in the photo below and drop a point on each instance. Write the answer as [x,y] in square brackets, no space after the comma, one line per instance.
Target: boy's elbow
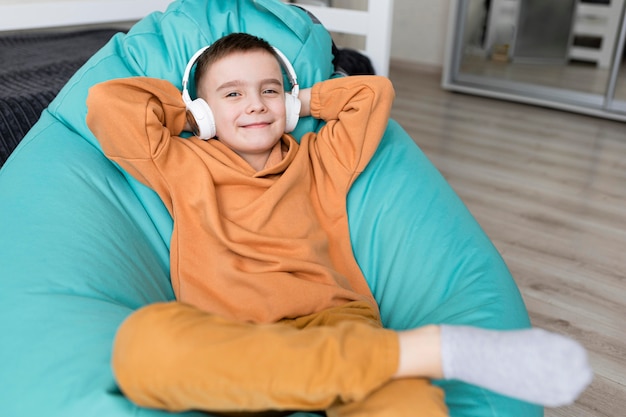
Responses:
[96,99]
[385,87]
[388,88]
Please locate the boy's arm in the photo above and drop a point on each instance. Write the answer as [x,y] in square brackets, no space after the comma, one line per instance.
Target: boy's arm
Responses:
[356,110]
[135,119]
[305,101]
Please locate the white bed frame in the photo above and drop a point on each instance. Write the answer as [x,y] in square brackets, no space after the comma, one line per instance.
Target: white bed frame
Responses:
[374,24]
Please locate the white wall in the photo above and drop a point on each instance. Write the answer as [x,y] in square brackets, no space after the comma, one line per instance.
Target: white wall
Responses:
[419,31]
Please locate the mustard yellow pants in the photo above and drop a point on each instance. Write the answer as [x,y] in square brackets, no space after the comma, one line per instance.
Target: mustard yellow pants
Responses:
[176,357]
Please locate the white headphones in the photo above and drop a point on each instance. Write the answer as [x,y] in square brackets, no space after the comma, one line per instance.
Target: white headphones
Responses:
[199,113]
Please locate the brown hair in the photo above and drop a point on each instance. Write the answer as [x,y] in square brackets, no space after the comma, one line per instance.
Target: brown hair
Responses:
[229,44]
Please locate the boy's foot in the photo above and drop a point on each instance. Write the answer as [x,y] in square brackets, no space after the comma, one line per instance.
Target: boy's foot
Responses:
[530,364]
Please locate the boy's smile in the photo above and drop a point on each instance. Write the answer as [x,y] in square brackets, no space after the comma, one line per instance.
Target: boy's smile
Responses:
[246,94]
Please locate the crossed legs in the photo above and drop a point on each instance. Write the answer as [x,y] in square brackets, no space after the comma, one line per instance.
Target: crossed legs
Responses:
[175,357]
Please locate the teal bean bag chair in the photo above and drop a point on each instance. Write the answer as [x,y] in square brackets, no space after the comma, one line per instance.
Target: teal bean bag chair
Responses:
[82,244]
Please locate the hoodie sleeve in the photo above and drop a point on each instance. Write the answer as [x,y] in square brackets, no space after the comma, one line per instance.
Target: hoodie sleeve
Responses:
[356,110]
[135,120]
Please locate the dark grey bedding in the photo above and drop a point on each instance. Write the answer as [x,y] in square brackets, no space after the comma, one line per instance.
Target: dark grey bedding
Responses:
[33,68]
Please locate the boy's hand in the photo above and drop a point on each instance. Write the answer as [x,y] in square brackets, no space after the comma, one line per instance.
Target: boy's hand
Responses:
[305,99]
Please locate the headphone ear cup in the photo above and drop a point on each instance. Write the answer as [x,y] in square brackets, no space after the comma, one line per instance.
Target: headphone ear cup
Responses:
[200,118]
[292,112]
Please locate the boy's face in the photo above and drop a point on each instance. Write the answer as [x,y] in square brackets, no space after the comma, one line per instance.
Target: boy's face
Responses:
[245,92]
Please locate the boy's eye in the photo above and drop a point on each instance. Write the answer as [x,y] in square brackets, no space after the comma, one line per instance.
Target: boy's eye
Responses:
[270,91]
[232,94]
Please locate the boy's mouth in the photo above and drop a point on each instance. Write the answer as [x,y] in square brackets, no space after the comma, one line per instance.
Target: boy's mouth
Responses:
[256,125]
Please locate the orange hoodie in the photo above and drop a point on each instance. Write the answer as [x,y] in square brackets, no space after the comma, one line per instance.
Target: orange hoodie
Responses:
[253,246]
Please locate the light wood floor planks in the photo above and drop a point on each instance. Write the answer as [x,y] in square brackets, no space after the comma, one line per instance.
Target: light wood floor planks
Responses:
[549,188]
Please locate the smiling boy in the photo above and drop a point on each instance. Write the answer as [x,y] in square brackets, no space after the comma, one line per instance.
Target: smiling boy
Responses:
[272,311]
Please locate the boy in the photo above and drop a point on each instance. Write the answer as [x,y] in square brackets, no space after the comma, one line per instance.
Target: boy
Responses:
[272,311]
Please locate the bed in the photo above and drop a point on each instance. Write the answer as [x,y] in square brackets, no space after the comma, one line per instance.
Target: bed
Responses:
[82,244]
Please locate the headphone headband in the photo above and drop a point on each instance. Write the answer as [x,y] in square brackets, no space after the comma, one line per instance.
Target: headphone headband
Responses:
[187,73]
[291,73]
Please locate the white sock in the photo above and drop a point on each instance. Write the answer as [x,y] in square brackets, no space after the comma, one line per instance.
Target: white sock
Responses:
[530,364]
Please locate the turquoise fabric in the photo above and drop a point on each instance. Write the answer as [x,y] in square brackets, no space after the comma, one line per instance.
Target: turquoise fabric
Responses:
[82,245]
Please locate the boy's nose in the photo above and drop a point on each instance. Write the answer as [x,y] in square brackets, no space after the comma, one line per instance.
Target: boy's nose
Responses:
[256,103]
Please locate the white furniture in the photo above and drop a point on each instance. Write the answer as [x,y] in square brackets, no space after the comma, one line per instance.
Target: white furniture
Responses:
[374,24]
[597,20]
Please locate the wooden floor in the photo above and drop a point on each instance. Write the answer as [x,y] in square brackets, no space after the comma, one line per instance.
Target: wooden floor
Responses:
[549,188]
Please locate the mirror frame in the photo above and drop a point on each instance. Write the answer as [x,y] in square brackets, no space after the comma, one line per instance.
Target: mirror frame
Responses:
[575,101]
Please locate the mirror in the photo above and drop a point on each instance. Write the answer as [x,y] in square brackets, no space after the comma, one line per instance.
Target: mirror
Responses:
[552,51]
